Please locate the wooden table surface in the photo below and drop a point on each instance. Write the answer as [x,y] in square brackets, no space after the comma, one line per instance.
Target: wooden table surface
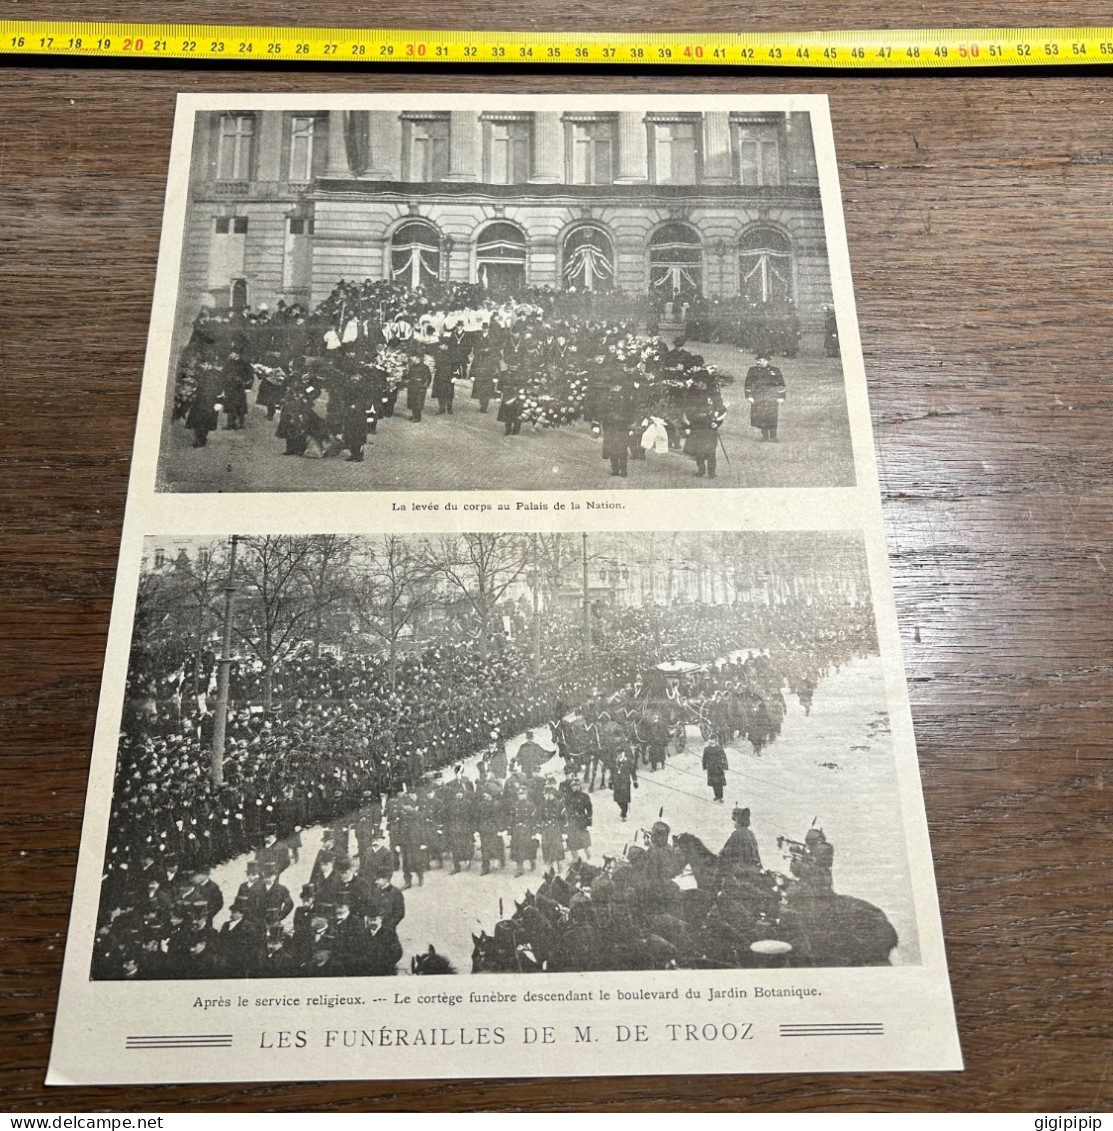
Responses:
[980,216]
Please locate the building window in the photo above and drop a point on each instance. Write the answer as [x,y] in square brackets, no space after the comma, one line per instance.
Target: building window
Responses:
[427,148]
[415,254]
[757,152]
[227,259]
[507,146]
[588,260]
[765,267]
[305,148]
[500,260]
[675,151]
[675,262]
[591,152]
[234,147]
[231,226]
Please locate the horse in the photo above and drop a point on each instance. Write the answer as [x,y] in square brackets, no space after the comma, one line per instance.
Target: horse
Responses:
[504,952]
[836,930]
[431,963]
[696,855]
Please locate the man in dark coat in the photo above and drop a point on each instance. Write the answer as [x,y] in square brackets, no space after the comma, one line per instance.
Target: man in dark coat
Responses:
[489,821]
[510,410]
[359,410]
[271,902]
[241,941]
[445,369]
[703,415]
[238,379]
[204,409]
[715,763]
[386,902]
[418,380]
[580,814]
[380,950]
[623,776]
[531,755]
[617,418]
[486,358]
[765,390]
[657,742]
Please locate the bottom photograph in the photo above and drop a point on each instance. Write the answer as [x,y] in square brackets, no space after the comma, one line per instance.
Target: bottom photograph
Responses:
[494,753]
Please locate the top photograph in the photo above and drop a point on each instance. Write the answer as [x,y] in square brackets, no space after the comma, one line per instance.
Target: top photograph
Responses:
[403,294]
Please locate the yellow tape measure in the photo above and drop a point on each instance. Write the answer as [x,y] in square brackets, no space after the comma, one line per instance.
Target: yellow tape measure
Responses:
[971,47]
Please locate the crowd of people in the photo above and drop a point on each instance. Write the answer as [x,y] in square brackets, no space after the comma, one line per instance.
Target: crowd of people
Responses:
[379,351]
[346,748]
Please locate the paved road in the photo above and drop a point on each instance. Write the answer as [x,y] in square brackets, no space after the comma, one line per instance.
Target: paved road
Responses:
[468,451]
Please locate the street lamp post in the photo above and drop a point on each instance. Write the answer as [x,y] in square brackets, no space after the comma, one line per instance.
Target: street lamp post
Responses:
[536,579]
[587,607]
[220,722]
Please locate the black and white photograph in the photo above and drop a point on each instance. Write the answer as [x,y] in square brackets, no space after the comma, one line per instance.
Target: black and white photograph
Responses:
[640,768]
[500,753]
[488,295]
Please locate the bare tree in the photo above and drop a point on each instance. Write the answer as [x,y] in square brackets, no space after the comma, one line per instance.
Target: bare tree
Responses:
[286,588]
[479,568]
[391,590]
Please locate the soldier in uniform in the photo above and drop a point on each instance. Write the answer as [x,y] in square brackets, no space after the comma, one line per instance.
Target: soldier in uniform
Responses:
[552,820]
[813,866]
[520,820]
[765,390]
[407,831]
[488,819]
[460,827]
[740,851]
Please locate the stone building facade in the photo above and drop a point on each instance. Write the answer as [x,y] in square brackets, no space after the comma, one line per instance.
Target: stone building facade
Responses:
[283,204]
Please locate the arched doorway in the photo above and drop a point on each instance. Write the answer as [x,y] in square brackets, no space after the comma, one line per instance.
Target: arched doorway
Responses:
[415,254]
[765,267]
[675,262]
[588,259]
[500,260]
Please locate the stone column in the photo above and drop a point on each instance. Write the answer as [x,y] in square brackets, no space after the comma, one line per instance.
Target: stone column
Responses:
[547,157]
[269,153]
[386,146]
[717,165]
[337,146]
[463,146]
[633,150]
[203,167]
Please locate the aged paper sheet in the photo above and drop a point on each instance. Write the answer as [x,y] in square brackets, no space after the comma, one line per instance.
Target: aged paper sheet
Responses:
[503,595]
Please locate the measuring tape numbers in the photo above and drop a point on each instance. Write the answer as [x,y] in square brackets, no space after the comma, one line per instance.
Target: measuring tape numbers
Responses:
[919,49]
